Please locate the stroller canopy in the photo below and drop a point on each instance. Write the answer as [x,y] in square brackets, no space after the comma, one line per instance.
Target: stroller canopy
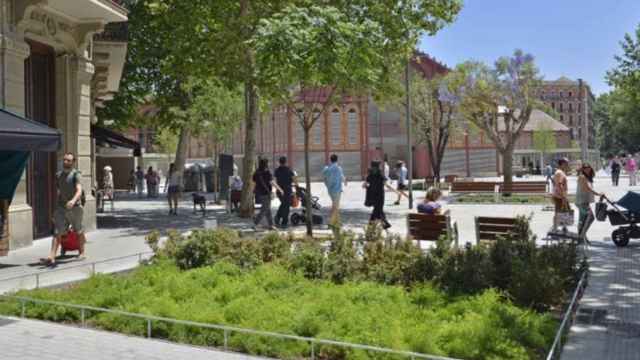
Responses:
[630,201]
[18,137]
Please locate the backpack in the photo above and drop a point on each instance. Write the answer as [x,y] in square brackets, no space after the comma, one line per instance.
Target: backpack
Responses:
[83,198]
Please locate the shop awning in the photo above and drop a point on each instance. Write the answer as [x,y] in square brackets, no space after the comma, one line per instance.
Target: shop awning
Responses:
[18,138]
[20,134]
[104,136]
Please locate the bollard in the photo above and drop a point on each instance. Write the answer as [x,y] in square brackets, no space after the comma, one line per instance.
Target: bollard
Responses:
[93,268]
[37,281]
[313,351]
[82,316]
[139,258]
[226,339]
[148,328]
[23,308]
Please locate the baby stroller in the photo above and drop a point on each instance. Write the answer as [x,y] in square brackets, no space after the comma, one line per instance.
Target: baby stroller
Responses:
[617,217]
[298,218]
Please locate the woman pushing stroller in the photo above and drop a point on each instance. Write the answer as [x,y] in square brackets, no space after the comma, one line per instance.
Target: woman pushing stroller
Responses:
[585,196]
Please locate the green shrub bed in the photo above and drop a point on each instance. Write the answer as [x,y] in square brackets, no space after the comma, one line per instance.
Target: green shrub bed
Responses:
[270,297]
[481,302]
[541,199]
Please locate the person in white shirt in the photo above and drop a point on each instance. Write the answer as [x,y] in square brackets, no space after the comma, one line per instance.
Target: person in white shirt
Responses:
[402,180]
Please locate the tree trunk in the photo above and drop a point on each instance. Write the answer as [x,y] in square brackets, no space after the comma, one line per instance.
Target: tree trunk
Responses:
[307,179]
[181,150]
[507,167]
[248,163]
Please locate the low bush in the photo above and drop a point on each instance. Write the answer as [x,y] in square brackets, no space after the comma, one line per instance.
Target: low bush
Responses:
[271,297]
[531,276]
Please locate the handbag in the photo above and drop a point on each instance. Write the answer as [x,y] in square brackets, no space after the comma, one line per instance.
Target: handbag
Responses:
[566,216]
[601,211]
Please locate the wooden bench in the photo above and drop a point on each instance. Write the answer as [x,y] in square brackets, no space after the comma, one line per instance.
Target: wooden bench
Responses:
[489,228]
[525,187]
[473,187]
[424,227]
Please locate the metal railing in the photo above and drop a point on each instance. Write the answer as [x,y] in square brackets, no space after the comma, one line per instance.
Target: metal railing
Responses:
[92,265]
[556,347]
[226,330]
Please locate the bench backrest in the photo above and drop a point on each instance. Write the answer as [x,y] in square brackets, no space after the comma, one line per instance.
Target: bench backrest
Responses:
[473,186]
[525,187]
[424,227]
[489,228]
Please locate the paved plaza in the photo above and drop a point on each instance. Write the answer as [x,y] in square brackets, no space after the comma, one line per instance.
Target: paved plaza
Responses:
[37,340]
[607,325]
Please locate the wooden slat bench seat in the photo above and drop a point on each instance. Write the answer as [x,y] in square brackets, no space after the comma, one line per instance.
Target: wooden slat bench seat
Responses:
[473,187]
[489,228]
[424,227]
[525,187]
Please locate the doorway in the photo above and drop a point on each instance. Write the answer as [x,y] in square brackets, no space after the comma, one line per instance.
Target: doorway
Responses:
[39,106]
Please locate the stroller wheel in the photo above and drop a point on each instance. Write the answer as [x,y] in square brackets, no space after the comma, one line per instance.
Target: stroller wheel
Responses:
[620,237]
[295,219]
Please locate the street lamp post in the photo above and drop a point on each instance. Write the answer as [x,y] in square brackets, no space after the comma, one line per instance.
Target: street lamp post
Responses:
[408,120]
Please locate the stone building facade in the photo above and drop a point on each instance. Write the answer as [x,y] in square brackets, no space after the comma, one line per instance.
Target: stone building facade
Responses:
[573,101]
[56,69]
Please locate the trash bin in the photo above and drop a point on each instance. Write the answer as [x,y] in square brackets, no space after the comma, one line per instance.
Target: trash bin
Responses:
[208,172]
[191,177]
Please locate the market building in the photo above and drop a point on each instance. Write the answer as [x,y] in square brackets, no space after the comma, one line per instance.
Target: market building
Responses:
[60,59]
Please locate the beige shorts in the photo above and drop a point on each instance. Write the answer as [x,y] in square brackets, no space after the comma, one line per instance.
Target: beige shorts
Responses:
[63,217]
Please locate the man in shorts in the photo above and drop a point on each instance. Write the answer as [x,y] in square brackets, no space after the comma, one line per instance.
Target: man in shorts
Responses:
[333,180]
[560,190]
[402,180]
[69,209]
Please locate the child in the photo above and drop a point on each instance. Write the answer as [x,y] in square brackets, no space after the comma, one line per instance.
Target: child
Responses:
[430,203]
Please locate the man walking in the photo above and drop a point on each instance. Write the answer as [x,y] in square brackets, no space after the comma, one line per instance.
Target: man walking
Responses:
[560,191]
[139,181]
[68,207]
[402,180]
[285,178]
[333,180]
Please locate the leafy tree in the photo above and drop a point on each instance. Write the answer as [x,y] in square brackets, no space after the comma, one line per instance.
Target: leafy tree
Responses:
[309,57]
[544,139]
[435,112]
[166,141]
[626,75]
[500,101]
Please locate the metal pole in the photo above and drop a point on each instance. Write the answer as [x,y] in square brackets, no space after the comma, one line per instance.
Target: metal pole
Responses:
[408,125]
[466,153]
[148,328]
[226,338]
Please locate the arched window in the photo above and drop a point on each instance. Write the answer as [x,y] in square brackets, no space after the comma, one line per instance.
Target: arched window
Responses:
[353,127]
[335,127]
[561,107]
[571,120]
[317,132]
[570,107]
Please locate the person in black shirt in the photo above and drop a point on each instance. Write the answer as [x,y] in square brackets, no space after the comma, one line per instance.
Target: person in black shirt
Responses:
[263,181]
[374,184]
[285,178]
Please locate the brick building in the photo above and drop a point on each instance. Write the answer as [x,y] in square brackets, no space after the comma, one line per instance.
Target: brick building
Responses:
[356,129]
[573,101]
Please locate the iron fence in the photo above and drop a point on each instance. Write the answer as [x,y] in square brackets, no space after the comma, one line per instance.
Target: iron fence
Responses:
[314,343]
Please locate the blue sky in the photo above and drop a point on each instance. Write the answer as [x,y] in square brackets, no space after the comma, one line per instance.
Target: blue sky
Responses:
[574,38]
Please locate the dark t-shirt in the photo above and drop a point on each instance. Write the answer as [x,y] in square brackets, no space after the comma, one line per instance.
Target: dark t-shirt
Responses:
[284,178]
[263,182]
